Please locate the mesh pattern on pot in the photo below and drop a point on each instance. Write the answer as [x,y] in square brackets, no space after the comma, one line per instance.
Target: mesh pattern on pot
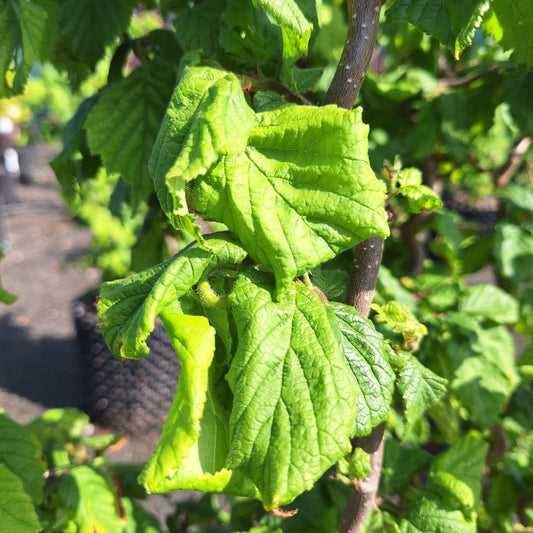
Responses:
[132,396]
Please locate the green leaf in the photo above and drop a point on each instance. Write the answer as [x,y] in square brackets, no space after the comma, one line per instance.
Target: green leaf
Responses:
[295,19]
[207,119]
[23,26]
[420,197]
[20,452]
[59,425]
[452,22]
[128,307]
[332,282]
[301,192]
[124,123]
[75,164]
[490,302]
[401,319]
[381,522]
[464,461]
[293,408]
[193,449]
[420,387]
[250,40]
[364,349]
[355,465]
[17,514]
[484,380]
[198,26]
[400,464]
[86,27]
[521,197]
[512,25]
[89,500]
[430,515]
[513,248]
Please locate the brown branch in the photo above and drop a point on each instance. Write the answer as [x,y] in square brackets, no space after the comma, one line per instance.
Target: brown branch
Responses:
[343,91]
[363,495]
[357,52]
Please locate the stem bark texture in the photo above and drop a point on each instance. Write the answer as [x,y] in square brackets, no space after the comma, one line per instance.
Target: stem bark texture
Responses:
[343,91]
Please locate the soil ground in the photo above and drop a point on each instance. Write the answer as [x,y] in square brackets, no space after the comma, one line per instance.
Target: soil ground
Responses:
[39,366]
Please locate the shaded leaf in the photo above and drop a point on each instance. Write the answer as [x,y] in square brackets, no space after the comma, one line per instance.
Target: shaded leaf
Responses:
[512,25]
[86,27]
[452,22]
[198,26]
[249,39]
[296,28]
[74,163]
[400,464]
[124,123]
[23,26]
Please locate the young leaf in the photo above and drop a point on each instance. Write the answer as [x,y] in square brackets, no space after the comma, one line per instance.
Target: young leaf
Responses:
[420,387]
[89,499]
[124,123]
[452,22]
[20,452]
[193,448]
[17,514]
[128,307]
[364,349]
[293,408]
[301,192]
[420,197]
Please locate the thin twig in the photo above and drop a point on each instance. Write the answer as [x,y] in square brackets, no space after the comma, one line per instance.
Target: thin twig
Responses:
[344,89]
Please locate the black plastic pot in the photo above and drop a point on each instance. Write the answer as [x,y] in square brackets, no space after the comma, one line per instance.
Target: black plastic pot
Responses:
[132,396]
